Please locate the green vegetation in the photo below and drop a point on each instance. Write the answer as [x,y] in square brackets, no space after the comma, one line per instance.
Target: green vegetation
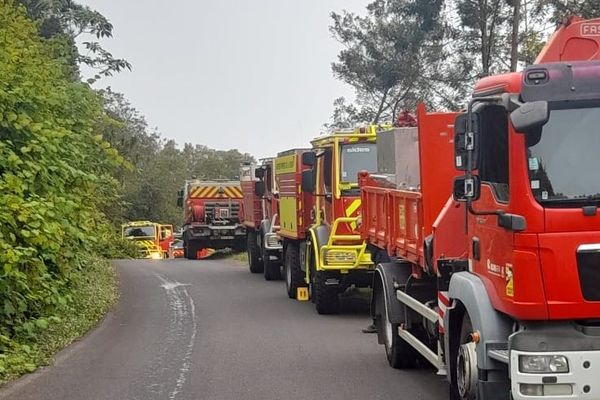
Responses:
[56,177]
[76,163]
[93,294]
[241,257]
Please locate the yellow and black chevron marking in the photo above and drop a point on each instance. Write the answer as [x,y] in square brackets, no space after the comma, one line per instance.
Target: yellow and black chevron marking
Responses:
[146,244]
[217,192]
[351,209]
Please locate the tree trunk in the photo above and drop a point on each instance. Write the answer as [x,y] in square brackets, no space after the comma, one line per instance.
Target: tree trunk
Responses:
[381,108]
[514,49]
[483,27]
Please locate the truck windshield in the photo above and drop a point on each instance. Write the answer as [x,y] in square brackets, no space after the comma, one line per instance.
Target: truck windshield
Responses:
[357,157]
[563,158]
[139,231]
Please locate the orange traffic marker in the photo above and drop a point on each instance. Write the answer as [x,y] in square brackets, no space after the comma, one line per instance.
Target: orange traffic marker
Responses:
[205,253]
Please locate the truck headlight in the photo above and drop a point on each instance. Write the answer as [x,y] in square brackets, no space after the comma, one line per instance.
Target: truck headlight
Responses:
[155,255]
[273,241]
[340,257]
[543,364]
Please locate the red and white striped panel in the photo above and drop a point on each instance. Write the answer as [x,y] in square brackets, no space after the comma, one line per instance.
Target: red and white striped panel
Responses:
[443,304]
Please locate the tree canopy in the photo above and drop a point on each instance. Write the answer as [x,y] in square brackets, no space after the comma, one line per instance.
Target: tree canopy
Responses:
[401,52]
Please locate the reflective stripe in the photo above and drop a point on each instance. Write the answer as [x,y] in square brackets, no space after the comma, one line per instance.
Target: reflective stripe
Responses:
[208,192]
[351,209]
[443,304]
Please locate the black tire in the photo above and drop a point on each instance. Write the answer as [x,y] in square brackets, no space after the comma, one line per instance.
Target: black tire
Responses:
[327,299]
[311,273]
[400,354]
[294,276]
[465,333]
[252,249]
[191,250]
[272,269]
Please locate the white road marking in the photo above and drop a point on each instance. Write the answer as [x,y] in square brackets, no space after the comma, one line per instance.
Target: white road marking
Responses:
[184,309]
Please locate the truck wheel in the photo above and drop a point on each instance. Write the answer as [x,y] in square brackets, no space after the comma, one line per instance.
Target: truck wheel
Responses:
[253,253]
[191,251]
[272,270]
[294,277]
[464,378]
[327,299]
[400,354]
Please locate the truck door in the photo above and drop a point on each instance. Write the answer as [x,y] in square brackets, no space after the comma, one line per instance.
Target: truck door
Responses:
[490,246]
[326,185]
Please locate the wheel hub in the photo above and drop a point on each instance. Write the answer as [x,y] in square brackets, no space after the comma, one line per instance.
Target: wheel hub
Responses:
[466,368]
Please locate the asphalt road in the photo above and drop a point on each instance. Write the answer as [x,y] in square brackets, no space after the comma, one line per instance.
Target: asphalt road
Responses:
[211,330]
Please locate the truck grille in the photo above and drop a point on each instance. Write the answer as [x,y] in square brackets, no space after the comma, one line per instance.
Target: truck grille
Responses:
[222,211]
[588,265]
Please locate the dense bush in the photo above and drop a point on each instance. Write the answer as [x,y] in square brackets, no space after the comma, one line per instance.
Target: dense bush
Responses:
[55,177]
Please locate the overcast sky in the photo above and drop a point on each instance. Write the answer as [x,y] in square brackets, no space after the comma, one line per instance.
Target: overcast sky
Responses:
[253,75]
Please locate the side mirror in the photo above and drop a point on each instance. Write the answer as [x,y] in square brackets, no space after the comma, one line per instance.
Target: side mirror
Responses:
[512,222]
[465,142]
[180,199]
[466,188]
[259,188]
[308,181]
[309,159]
[259,173]
[530,116]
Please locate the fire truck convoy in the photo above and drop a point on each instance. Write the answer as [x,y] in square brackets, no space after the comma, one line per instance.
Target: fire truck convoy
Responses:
[492,276]
[152,239]
[212,213]
[319,204]
[260,217]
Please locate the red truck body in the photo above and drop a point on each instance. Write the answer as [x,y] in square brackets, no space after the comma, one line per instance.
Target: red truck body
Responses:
[213,216]
[252,214]
[294,205]
[260,216]
[493,276]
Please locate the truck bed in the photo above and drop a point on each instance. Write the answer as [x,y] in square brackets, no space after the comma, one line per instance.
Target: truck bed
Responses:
[398,220]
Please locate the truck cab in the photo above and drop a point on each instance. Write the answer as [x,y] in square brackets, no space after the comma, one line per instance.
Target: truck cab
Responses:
[529,152]
[147,237]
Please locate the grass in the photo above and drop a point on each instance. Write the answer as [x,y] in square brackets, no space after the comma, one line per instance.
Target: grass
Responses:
[93,294]
[241,257]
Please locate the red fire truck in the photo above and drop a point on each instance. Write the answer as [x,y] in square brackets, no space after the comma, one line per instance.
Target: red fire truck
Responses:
[320,207]
[494,276]
[261,203]
[212,217]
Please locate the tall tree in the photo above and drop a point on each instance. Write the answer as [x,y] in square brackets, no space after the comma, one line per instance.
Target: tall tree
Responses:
[396,55]
[378,58]
[64,22]
[561,9]
[485,35]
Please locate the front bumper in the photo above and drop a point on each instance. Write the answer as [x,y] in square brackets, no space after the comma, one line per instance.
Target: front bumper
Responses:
[581,347]
[272,242]
[334,257]
[217,232]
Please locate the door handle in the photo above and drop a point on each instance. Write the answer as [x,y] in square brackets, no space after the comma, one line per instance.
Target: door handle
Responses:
[476,247]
